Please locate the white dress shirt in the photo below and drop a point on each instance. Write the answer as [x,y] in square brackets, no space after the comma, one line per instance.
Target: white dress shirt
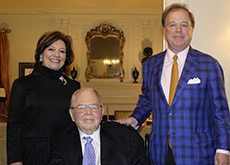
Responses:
[167,69]
[96,143]
[166,75]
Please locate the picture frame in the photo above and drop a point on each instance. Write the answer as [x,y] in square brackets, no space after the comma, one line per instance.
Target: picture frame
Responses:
[25,68]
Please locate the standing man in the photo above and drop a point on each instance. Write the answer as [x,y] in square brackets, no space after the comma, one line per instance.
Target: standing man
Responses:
[191,122]
[88,141]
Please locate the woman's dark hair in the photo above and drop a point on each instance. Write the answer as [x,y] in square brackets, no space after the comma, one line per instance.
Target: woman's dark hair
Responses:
[49,38]
[175,7]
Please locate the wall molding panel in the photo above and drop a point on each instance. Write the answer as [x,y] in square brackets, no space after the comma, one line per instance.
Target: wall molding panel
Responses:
[137,26]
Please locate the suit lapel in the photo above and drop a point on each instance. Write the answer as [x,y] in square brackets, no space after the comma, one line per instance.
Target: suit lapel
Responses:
[107,147]
[73,148]
[156,72]
[188,70]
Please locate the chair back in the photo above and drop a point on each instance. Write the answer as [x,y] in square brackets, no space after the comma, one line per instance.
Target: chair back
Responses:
[121,114]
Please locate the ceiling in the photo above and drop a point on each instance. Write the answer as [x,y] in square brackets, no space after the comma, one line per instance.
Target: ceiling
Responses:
[77,4]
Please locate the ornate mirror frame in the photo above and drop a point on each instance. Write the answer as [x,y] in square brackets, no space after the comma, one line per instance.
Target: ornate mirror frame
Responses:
[104,32]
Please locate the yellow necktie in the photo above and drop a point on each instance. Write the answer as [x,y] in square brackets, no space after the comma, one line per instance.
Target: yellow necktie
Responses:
[173,85]
[174,80]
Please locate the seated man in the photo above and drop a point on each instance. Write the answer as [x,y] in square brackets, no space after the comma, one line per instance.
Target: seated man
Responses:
[89,141]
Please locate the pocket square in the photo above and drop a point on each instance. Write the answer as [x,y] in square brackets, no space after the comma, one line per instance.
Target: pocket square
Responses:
[194,81]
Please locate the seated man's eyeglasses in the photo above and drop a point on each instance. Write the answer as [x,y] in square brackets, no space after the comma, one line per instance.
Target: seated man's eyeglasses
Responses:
[174,25]
[83,107]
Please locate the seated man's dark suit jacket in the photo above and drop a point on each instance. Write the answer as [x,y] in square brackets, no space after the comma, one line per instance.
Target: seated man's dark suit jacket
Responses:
[120,145]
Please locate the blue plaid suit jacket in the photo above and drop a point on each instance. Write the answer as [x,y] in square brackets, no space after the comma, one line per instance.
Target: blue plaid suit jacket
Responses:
[199,123]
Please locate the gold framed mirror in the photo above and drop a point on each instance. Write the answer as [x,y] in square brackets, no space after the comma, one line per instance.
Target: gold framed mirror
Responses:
[105,54]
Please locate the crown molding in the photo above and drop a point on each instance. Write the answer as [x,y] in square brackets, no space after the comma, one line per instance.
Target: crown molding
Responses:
[81,13]
[22,13]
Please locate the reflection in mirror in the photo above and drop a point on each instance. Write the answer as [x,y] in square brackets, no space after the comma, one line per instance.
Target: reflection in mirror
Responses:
[105,53]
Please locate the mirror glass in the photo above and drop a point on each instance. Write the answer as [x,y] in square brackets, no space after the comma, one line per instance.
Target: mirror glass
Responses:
[105,53]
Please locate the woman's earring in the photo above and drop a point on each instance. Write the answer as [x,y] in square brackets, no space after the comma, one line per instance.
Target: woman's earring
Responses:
[40,60]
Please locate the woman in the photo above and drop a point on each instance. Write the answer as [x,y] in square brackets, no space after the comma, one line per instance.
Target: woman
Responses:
[40,101]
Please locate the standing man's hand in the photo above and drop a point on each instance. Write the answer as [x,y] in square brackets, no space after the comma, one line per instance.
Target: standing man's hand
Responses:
[221,159]
[129,121]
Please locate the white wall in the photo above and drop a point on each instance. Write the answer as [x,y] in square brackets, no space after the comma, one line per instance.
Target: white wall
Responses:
[212,32]
[25,32]
[139,31]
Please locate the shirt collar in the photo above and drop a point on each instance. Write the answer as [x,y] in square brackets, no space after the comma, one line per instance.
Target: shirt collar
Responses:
[181,56]
[95,136]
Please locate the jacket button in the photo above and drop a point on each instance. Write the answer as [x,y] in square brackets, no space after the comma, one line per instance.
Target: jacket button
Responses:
[170,114]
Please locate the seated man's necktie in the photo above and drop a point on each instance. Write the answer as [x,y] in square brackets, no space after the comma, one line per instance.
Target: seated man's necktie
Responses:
[89,154]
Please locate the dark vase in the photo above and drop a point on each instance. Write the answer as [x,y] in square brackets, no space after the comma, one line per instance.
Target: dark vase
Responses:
[73,73]
[135,75]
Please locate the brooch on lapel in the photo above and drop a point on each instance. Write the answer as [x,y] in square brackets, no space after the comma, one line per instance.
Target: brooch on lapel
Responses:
[63,80]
